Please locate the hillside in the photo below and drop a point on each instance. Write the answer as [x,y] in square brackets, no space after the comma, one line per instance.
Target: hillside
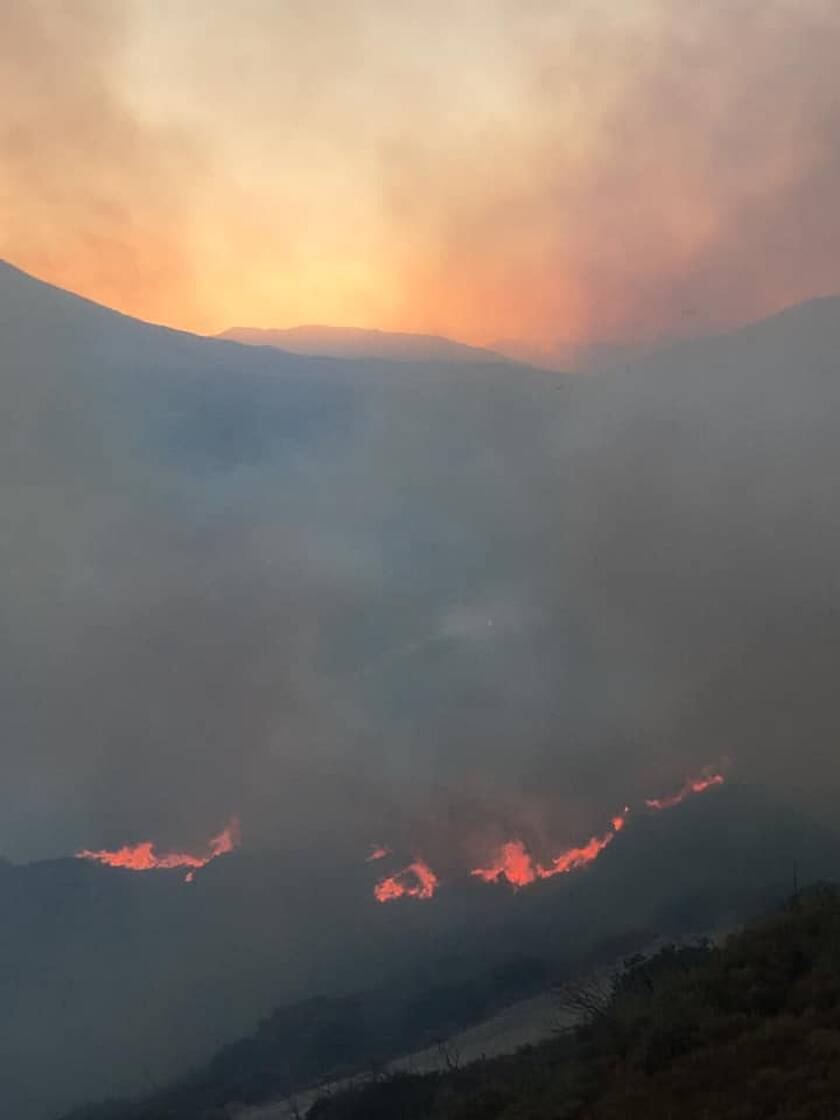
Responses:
[356,342]
[745,1030]
[429,974]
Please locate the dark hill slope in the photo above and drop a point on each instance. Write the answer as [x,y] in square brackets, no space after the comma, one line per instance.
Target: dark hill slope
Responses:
[748,1030]
[719,859]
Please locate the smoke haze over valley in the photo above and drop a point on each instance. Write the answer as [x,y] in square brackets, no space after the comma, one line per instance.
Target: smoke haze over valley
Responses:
[436,607]
[285,579]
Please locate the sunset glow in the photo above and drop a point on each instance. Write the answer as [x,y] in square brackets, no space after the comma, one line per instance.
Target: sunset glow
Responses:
[470,190]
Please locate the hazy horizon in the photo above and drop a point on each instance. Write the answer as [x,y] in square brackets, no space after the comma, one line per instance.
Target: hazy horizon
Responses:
[554,181]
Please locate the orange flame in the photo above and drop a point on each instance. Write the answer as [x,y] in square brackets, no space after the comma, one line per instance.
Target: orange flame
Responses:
[574,858]
[378,852]
[143,857]
[693,785]
[415,881]
[515,863]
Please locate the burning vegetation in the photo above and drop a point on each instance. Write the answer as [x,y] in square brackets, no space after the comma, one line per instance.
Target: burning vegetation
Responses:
[415,881]
[144,857]
[515,864]
[694,785]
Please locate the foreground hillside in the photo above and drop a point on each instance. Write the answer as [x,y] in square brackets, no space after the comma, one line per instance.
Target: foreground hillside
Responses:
[421,971]
[750,1029]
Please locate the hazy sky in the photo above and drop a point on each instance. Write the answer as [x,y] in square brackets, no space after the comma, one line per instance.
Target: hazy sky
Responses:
[490,169]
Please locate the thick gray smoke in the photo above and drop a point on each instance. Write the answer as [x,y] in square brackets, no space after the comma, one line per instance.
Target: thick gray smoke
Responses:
[707,542]
[243,583]
[420,606]
[353,603]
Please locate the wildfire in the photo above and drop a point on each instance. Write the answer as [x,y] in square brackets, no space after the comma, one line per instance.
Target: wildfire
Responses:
[515,864]
[415,881]
[144,857]
[694,785]
[574,858]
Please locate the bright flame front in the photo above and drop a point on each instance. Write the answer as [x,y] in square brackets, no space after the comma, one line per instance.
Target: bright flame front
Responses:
[514,861]
[415,881]
[144,857]
[515,864]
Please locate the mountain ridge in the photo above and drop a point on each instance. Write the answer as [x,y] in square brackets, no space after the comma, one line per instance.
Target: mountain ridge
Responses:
[360,342]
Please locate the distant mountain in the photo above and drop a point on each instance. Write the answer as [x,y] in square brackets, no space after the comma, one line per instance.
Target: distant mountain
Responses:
[354,342]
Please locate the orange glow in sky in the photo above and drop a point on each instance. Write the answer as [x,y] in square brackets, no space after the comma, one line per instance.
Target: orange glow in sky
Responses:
[546,175]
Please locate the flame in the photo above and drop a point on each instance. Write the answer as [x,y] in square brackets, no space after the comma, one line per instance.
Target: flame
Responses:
[415,881]
[574,858]
[143,857]
[378,852]
[515,863]
[706,780]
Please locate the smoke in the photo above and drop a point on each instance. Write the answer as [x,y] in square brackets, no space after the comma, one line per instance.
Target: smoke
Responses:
[662,175]
[707,550]
[578,183]
[91,196]
[327,600]
[242,584]
[435,609]
[302,637]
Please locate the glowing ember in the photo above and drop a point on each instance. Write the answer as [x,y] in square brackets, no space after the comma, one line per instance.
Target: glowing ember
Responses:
[143,857]
[378,853]
[693,785]
[415,881]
